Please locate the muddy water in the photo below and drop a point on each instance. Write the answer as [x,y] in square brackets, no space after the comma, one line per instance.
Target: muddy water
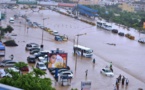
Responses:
[127,56]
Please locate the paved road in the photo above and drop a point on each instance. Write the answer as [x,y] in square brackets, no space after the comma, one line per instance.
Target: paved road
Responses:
[127,56]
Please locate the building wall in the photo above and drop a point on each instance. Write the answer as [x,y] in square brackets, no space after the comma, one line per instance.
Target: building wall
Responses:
[87,2]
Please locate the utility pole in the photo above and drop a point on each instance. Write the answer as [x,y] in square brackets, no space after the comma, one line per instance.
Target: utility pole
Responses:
[77,45]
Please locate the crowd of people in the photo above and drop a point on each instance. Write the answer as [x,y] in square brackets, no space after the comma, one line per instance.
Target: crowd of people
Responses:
[121,79]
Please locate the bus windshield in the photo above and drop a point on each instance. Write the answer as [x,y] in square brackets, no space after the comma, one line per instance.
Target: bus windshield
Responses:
[88,51]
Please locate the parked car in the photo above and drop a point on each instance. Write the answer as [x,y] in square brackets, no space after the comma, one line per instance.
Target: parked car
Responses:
[35,48]
[4,61]
[121,34]
[114,31]
[59,71]
[31,45]
[107,72]
[68,73]
[8,63]
[43,59]
[58,38]
[41,65]
[31,59]
[34,51]
[4,72]
[142,40]
[54,33]
[42,53]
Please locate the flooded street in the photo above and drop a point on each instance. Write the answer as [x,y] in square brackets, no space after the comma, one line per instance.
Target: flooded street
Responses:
[128,56]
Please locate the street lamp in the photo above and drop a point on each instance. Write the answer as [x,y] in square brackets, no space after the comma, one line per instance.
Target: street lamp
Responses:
[43,32]
[77,45]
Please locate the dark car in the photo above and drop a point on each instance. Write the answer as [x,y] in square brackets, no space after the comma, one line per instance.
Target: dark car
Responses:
[34,51]
[58,38]
[114,31]
[121,34]
[31,59]
[3,61]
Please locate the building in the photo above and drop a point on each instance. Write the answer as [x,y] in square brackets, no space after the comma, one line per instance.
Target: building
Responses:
[139,6]
[86,2]
[126,7]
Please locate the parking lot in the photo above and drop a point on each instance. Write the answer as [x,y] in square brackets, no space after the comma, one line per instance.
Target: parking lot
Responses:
[127,56]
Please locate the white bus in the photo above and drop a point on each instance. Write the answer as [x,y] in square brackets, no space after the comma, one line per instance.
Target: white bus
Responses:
[83,51]
[100,23]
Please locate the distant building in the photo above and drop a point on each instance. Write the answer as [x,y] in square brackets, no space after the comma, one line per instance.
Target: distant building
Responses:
[139,6]
[108,2]
[126,7]
[86,2]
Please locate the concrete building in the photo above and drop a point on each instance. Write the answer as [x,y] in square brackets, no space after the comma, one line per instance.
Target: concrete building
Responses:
[86,2]
[139,6]
[126,7]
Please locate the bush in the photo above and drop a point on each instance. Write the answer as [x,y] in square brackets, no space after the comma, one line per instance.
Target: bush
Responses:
[10,43]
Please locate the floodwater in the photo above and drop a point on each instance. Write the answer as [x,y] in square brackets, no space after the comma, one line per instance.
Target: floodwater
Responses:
[128,56]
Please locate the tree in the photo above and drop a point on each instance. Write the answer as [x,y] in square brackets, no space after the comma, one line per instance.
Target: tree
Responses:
[20,65]
[37,72]
[27,81]
[8,29]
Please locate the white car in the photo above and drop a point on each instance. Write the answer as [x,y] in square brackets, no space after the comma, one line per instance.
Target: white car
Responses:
[141,40]
[69,73]
[107,72]
[42,59]
[8,63]
[4,73]
[41,65]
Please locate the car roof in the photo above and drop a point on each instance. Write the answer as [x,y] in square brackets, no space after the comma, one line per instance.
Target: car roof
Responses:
[32,56]
[32,43]
[40,62]
[69,71]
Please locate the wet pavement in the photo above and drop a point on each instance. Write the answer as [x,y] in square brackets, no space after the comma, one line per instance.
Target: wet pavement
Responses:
[127,56]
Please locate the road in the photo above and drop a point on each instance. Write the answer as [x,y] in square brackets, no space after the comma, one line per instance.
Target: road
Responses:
[127,56]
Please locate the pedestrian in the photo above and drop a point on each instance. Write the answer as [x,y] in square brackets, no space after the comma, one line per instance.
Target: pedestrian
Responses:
[111,69]
[12,56]
[117,81]
[119,78]
[94,61]
[110,64]
[127,81]
[86,72]
[123,79]
[117,86]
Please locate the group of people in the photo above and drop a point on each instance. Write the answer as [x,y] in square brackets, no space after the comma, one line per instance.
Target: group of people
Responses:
[121,79]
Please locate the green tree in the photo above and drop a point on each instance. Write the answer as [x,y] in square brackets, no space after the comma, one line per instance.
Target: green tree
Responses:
[37,72]
[27,81]
[20,65]
[8,29]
